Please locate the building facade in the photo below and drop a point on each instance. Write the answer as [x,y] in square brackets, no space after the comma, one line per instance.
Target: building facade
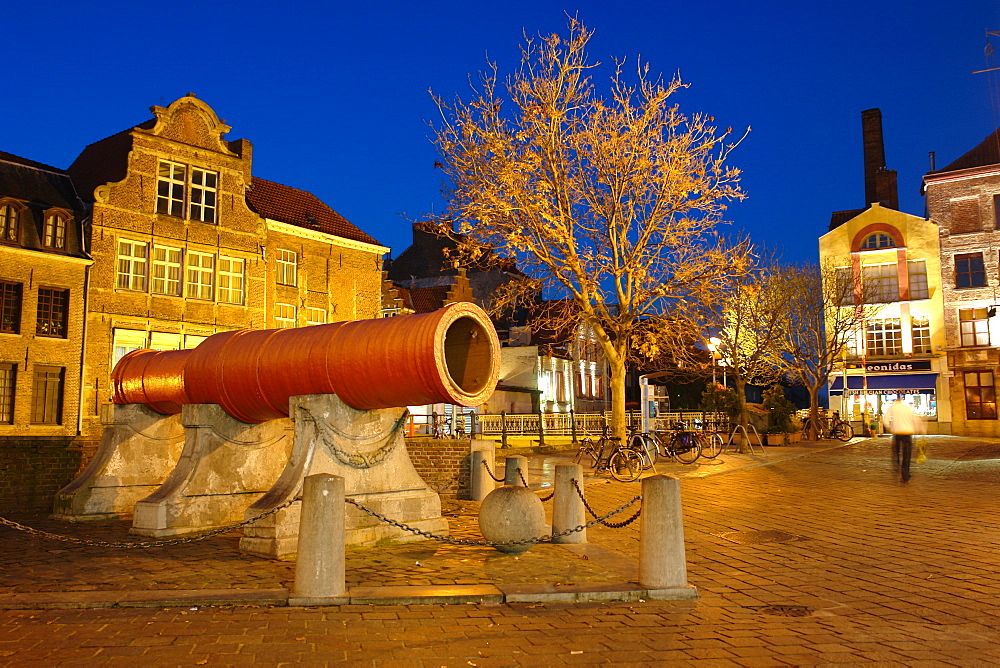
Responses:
[963,198]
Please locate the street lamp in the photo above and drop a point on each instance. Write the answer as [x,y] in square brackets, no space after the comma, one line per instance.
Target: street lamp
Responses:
[713,347]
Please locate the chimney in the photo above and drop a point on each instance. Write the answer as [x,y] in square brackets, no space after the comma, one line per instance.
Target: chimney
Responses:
[880,182]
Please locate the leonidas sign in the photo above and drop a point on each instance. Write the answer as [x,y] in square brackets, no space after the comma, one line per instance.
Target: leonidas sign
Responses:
[912,365]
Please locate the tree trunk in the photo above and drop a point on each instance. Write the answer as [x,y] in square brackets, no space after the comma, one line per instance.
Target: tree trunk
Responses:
[813,412]
[617,388]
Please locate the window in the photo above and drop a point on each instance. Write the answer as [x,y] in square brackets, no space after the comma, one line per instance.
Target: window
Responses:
[881,282]
[316,316]
[164,341]
[284,315]
[125,341]
[8,381]
[10,307]
[200,270]
[884,337]
[172,187]
[287,266]
[917,270]
[974,327]
[193,340]
[55,230]
[166,270]
[230,280]
[204,190]
[980,396]
[921,329]
[46,395]
[844,285]
[132,265]
[52,307]
[876,241]
[969,271]
[10,214]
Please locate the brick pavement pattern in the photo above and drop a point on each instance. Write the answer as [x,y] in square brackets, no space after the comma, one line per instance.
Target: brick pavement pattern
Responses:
[822,559]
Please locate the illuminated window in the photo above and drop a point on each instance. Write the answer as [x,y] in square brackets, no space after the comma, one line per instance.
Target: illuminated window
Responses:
[974,326]
[921,329]
[10,215]
[287,267]
[844,285]
[174,192]
[53,306]
[284,315]
[55,230]
[125,341]
[46,395]
[881,282]
[8,382]
[917,270]
[10,307]
[132,265]
[316,316]
[876,241]
[204,195]
[980,396]
[969,270]
[200,270]
[170,184]
[884,337]
[230,280]
[166,270]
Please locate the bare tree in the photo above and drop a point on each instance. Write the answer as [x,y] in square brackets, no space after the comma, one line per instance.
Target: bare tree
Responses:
[612,202]
[827,311]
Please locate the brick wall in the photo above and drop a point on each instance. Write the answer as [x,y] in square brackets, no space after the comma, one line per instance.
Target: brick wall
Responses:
[443,464]
[33,469]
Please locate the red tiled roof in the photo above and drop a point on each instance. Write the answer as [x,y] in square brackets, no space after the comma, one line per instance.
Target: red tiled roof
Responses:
[303,209]
[987,152]
[426,300]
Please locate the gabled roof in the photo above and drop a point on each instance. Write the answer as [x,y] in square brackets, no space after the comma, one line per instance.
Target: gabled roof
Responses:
[987,152]
[302,209]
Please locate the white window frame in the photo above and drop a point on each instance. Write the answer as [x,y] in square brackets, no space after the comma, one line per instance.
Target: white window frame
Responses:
[284,315]
[164,341]
[204,195]
[132,265]
[231,280]
[921,333]
[166,271]
[200,274]
[917,272]
[54,235]
[316,316]
[286,267]
[881,282]
[883,337]
[974,331]
[171,188]
[125,341]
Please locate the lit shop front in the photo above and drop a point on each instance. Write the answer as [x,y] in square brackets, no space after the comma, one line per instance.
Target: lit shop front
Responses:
[870,392]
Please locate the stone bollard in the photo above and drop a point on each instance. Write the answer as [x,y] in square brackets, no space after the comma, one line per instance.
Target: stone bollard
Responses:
[662,564]
[567,506]
[480,481]
[319,567]
[510,474]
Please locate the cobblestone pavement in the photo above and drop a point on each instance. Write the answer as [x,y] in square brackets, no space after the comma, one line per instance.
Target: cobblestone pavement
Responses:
[824,558]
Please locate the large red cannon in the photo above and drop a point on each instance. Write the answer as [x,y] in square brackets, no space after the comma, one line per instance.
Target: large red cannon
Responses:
[449,356]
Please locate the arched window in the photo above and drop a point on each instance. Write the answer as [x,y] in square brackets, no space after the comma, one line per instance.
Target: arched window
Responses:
[876,241]
[9,217]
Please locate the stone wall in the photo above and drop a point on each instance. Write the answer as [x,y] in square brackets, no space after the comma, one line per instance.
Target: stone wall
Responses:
[443,465]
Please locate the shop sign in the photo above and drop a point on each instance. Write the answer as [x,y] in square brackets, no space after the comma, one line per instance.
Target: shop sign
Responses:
[906,366]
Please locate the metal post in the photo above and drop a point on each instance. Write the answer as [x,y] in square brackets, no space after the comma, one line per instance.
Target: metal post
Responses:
[503,430]
[541,426]
[572,425]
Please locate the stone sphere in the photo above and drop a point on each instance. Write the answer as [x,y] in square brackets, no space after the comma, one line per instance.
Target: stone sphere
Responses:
[510,513]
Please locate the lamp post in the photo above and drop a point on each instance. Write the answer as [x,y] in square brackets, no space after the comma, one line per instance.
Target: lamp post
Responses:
[713,346]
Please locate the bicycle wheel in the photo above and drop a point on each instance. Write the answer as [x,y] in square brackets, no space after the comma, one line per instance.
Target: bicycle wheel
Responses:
[712,446]
[644,445]
[685,448]
[586,450]
[625,465]
[843,431]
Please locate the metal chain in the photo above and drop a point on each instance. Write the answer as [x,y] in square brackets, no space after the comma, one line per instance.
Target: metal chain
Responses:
[495,479]
[487,543]
[143,544]
[610,525]
[525,483]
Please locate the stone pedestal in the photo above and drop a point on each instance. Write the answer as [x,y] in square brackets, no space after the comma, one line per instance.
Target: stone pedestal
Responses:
[225,466]
[368,450]
[137,452]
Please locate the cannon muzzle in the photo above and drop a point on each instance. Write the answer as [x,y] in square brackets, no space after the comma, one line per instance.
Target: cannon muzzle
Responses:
[449,356]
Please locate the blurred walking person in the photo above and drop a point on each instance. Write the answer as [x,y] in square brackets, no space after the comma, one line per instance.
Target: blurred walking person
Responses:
[900,420]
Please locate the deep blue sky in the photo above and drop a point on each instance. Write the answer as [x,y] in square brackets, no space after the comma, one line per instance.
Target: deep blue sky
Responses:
[334,95]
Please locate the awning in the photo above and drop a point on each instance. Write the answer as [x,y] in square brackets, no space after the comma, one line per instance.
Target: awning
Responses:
[902,383]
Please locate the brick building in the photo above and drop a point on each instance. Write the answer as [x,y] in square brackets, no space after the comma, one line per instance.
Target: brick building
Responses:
[186,242]
[43,277]
[963,198]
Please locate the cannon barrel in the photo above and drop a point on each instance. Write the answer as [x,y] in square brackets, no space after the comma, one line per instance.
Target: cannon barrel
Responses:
[451,355]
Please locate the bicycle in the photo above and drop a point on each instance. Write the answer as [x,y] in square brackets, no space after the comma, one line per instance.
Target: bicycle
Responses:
[834,428]
[680,444]
[608,454]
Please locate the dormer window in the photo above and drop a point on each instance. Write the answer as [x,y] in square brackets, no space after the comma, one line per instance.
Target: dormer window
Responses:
[10,216]
[55,230]
[877,241]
